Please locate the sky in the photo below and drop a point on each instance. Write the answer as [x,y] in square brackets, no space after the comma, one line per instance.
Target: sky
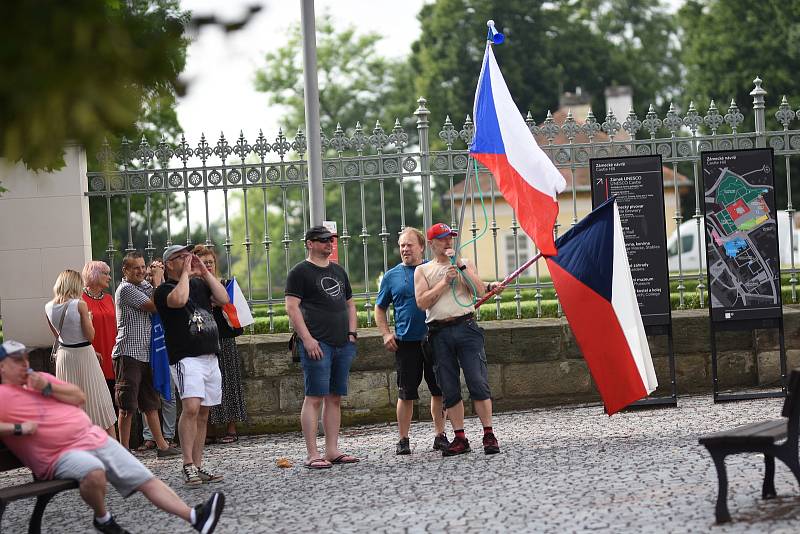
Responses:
[220,68]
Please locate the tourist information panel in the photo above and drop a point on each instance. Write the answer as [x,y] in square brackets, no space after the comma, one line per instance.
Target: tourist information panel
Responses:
[741,235]
[638,184]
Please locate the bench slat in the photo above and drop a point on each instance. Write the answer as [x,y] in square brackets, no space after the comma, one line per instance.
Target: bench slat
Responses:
[761,433]
[35,489]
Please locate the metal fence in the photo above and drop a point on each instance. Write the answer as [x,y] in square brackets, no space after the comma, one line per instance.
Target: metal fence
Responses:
[370,173]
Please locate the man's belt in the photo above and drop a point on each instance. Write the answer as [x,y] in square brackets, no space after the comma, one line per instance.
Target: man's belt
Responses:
[450,321]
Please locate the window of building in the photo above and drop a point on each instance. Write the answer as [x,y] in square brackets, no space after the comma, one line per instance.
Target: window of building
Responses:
[525,248]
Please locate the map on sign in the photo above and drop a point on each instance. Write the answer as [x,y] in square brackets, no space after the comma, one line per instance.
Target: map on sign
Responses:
[742,237]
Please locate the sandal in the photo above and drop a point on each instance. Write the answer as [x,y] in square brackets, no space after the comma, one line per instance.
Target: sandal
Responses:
[229,438]
[344,459]
[148,445]
[317,463]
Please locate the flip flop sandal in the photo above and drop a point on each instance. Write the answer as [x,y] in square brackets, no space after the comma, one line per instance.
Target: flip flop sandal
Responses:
[229,438]
[344,459]
[146,446]
[317,463]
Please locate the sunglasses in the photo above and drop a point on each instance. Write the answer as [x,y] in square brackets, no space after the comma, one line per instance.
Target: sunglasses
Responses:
[323,240]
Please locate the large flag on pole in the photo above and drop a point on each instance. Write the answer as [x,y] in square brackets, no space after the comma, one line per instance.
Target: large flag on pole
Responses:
[593,280]
[503,144]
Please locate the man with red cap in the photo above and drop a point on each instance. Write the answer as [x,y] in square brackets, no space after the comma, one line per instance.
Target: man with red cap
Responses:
[445,288]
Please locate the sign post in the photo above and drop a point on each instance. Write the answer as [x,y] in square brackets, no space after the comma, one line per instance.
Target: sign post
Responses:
[744,282]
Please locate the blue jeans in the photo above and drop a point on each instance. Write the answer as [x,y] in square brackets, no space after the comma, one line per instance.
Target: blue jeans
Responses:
[327,376]
[460,346]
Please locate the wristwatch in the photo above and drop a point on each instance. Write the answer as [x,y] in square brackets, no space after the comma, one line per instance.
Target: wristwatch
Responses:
[354,334]
[47,390]
[17,429]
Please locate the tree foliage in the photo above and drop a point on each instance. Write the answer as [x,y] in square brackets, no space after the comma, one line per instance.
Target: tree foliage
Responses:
[550,47]
[727,44]
[356,83]
[80,71]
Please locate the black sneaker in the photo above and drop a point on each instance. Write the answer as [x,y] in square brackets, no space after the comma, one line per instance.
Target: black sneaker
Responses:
[403,447]
[440,442]
[490,445]
[207,514]
[457,446]
[110,527]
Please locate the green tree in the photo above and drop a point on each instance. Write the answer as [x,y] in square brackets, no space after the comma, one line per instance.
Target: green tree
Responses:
[726,45]
[357,85]
[78,71]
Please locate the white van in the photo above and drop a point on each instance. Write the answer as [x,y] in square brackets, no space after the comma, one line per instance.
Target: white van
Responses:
[690,257]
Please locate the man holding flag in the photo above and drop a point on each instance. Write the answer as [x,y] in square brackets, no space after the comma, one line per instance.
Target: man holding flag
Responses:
[444,287]
[589,264]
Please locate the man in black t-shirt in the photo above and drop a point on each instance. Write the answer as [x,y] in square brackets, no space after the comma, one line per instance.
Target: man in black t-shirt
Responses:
[319,302]
[190,331]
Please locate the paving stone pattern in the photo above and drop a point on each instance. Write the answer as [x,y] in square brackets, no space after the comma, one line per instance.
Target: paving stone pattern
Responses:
[569,469]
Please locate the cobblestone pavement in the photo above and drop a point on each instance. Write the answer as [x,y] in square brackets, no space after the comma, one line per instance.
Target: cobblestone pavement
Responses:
[561,470]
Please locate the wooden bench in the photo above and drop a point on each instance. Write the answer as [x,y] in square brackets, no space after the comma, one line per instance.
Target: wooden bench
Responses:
[43,490]
[775,438]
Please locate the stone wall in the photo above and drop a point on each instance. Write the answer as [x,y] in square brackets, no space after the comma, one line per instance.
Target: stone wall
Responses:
[532,363]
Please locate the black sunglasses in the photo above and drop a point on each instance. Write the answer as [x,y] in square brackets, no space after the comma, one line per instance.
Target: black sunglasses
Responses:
[323,240]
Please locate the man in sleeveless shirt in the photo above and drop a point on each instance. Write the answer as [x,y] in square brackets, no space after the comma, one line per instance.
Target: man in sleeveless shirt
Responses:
[411,361]
[319,303]
[41,422]
[444,288]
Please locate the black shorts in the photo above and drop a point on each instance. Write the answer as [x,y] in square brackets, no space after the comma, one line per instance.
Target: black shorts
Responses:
[412,364]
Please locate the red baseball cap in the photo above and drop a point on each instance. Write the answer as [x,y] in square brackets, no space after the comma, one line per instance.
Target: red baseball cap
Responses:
[440,230]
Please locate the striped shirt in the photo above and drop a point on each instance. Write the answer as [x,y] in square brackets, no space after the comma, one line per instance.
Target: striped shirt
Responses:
[133,323]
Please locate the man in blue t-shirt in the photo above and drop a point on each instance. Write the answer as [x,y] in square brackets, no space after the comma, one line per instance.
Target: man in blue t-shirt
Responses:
[412,360]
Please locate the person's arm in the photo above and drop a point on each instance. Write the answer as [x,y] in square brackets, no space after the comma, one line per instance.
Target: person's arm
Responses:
[310,344]
[425,294]
[28,428]
[471,272]
[179,295]
[382,321]
[353,316]
[52,328]
[62,391]
[86,320]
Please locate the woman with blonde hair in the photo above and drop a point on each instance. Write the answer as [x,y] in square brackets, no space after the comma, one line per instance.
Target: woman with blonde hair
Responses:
[76,362]
[96,279]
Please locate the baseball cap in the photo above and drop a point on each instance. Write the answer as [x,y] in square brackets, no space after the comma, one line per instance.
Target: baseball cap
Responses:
[174,249]
[440,230]
[319,232]
[12,348]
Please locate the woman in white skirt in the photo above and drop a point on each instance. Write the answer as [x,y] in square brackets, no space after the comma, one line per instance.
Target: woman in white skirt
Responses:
[76,361]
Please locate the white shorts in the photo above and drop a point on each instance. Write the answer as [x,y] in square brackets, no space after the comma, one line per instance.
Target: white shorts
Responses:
[199,377]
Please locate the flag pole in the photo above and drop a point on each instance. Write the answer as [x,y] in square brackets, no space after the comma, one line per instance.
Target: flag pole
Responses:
[508,279]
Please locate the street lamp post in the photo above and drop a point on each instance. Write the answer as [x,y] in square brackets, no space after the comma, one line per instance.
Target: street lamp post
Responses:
[314,153]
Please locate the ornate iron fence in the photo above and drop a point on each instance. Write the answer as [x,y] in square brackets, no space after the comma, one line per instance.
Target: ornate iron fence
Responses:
[384,168]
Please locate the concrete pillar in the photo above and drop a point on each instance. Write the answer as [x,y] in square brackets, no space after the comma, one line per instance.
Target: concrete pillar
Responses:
[44,229]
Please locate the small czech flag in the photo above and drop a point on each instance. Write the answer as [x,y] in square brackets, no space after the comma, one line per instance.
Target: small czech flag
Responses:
[237,312]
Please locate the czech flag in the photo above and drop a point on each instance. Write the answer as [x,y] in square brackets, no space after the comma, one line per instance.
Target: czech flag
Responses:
[503,144]
[237,312]
[593,280]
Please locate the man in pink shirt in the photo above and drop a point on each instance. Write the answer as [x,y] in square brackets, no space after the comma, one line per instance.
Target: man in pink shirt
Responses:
[41,422]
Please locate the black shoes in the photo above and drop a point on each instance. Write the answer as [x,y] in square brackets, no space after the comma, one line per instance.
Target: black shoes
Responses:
[457,446]
[110,527]
[490,445]
[403,447]
[207,514]
[440,442]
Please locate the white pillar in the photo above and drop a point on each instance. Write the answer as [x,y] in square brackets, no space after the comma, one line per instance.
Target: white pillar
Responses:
[44,229]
